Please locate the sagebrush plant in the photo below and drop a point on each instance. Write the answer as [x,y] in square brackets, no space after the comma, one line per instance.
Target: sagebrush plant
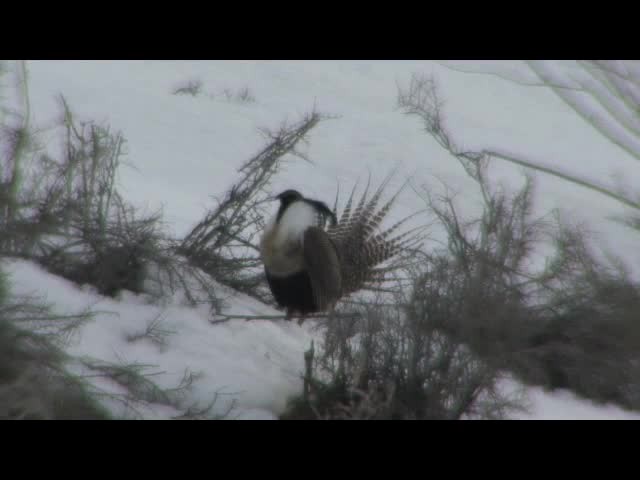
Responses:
[65,212]
[410,356]
[155,331]
[138,394]
[71,219]
[191,87]
[475,314]
[570,324]
[394,363]
[17,145]
[40,381]
[194,88]
[478,311]
[34,380]
[242,95]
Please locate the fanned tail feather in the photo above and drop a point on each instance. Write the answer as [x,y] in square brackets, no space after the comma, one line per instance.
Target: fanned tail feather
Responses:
[361,250]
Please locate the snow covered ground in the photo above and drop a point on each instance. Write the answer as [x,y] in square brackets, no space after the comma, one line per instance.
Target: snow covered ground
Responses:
[187,149]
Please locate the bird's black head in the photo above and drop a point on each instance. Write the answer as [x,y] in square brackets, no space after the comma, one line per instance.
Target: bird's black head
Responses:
[289,196]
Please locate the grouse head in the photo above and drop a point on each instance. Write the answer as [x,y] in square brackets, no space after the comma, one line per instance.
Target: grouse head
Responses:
[289,197]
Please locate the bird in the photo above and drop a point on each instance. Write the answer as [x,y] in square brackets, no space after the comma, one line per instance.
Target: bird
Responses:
[309,266]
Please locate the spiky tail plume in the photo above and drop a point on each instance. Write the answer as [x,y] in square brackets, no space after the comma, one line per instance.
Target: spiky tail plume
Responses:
[361,245]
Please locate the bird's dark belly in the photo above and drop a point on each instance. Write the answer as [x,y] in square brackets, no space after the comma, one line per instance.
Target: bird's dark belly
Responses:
[293,292]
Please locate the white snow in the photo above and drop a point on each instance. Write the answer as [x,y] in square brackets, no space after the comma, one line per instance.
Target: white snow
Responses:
[186,150]
[257,363]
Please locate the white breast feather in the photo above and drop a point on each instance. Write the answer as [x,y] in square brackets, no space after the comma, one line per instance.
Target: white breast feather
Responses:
[296,219]
[281,244]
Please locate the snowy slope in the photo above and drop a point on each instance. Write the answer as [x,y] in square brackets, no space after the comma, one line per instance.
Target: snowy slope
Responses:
[255,363]
[187,149]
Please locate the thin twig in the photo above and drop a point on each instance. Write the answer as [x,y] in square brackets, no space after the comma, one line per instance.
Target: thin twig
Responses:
[279,317]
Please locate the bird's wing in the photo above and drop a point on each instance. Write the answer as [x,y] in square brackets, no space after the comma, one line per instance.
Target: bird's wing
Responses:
[323,265]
